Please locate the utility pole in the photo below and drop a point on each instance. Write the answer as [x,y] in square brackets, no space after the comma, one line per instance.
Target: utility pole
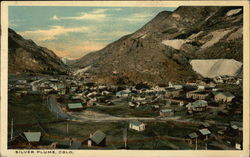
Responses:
[125,137]
[67,128]
[196,143]
[11,131]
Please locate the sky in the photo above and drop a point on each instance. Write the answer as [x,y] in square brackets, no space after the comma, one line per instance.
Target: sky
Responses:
[72,32]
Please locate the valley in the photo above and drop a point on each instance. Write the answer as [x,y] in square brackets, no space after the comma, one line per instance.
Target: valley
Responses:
[174,84]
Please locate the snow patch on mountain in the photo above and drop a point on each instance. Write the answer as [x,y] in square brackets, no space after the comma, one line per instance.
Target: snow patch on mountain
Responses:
[217,35]
[216,67]
[176,43]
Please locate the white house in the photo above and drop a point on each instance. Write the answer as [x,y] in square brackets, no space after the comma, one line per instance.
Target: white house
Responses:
[136,125]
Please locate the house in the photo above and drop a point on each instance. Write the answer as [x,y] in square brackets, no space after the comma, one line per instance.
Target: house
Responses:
[177,86]
[205,133]
[123,93]
[171,92]
[220,134]
[197,106]
[105,93]
[170,85]
[204,125]
[238,146]
[198,94]
[166,112]
[223,96]
[176,102]
[76,97]
[97,139]
[201,87]
[74,107]
[32,137]
[155,107]
[138,98]
[136,125]
[191,138]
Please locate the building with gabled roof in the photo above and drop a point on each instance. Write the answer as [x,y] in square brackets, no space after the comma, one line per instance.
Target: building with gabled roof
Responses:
[190,138]
[223,96]
[73,107]
[204,133]
[97,139]
[166,112]
[137,125]
[198,94]
[197,106]
[33,136]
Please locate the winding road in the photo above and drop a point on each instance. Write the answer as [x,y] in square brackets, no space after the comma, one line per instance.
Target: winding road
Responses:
[54,107]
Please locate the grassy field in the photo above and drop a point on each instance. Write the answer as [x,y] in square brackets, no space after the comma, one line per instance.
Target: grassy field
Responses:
[156,135]
[26,111]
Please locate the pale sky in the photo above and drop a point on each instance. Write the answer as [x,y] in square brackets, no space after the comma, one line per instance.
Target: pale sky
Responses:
[72,32]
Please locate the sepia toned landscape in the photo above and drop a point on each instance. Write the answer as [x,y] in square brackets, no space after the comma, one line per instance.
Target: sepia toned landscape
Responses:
[162,79]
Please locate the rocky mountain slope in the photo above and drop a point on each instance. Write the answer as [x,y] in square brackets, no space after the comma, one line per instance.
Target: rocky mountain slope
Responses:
[161,50]
[25,56]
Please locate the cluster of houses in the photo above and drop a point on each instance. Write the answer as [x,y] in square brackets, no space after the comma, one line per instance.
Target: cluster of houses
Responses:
[194,96]
[34,140]
[227,134]
[97,139]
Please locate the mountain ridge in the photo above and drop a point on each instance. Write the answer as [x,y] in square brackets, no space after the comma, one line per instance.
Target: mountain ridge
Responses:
[143,56]
[25,56]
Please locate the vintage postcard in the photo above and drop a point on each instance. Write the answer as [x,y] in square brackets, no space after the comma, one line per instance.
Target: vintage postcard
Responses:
[125,78]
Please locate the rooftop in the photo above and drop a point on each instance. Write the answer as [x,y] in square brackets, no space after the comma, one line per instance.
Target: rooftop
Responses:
[205,132]
[226,94]
[166,110]
[193,135]
[74,105]
[198,103]
[32,136]
[98,137]
[136,122]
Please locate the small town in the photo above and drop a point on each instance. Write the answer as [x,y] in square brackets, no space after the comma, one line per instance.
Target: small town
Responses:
[144,76]
[200,115]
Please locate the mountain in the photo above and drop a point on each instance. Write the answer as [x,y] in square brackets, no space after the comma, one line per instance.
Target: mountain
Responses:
[162,49]
[25,56]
